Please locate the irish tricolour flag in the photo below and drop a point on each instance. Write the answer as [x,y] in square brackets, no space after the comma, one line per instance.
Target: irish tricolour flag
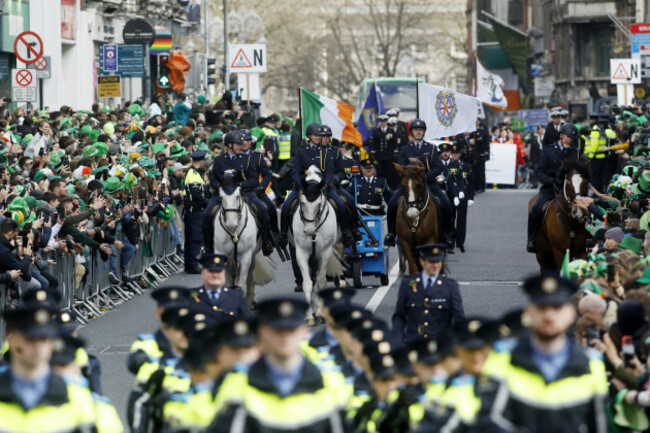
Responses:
[336,115]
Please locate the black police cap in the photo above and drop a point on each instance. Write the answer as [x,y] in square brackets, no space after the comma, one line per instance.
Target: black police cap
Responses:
[170,295]
[467,332]
[236,332]
[198,155]
[233,137]
[367,163]
[549,289]
[67,321]
[199,321]
[214,262]
[174,315]
[432,252]
[381,359]
[418,123]
[313,129]
[32,320]
[65,349]
[370,330]
[444,147]
[430,351]
[42,296]
[337,294]
[456,148]
[282,312]
[200,351]
[346,314]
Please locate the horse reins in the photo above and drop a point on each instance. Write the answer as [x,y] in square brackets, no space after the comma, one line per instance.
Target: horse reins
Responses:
[569,200]
[323,206]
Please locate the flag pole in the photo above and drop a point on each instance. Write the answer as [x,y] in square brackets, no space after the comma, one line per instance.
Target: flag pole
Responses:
[476,75]
[377,97]
[302,127]
[417,96]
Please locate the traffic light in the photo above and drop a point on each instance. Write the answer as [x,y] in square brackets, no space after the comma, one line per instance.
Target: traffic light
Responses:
[163,71]
[233,82]
[212,68]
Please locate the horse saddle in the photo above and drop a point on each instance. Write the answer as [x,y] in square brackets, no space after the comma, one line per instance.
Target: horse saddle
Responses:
[545,207]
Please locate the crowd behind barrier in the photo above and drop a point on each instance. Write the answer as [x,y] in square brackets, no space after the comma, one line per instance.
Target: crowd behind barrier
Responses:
[154,260]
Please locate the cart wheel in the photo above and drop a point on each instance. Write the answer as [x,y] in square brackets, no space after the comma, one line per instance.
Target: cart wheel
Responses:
[357,275]
[383,279]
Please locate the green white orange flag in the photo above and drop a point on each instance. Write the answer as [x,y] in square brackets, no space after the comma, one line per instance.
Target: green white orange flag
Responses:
[336,115]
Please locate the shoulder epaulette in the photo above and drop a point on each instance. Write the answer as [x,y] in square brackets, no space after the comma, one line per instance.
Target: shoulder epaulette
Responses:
[145,337]
[506,345]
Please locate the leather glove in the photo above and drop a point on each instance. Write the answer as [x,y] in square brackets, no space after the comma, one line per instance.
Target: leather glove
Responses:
[470,203]
[456,201]
[461,195]
[258,190]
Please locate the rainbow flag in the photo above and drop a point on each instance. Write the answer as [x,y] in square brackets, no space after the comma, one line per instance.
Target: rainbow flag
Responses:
[162,43]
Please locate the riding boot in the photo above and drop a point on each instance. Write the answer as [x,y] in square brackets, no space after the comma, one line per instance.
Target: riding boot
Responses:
[391,222]
[532,232]
[267,242]
[348,237]
[208,236]
[285,218]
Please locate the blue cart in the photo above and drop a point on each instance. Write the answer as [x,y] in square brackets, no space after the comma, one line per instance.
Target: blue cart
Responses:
[370,257]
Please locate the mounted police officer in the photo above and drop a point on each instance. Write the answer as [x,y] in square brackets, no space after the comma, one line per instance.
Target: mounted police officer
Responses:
[228,167]
[317,153]
[428,156]
[254,169]
[371,189]
[550,174]
[196,201]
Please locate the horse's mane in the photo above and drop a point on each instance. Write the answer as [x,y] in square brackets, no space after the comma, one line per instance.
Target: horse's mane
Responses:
[581,167]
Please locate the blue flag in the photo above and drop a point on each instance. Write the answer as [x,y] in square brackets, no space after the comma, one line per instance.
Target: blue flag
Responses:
[374,107]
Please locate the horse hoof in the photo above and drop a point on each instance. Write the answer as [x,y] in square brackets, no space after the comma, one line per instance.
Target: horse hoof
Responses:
[297,289]
[310,321]
[344,283]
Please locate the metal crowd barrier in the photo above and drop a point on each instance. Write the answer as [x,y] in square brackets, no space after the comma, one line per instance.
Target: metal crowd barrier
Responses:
[96,294]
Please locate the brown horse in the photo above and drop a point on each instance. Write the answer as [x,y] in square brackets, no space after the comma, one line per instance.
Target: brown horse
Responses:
[563,226]
[417,216]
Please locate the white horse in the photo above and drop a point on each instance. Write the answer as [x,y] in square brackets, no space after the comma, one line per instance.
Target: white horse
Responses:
[315,233]
[236,235]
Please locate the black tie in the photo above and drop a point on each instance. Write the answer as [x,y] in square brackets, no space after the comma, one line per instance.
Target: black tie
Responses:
[429,285]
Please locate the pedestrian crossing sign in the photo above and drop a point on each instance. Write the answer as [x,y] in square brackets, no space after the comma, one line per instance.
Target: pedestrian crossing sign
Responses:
[625,71]
[241,61]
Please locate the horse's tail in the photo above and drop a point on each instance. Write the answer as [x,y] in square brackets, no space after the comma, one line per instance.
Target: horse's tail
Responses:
[335,266]
[264,271]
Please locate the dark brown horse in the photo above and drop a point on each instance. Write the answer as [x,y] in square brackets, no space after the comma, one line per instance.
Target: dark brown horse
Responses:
[417,216]
[563,226]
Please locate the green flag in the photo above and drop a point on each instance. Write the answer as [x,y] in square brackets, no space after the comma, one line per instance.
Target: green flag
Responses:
[565,266]
[515,45]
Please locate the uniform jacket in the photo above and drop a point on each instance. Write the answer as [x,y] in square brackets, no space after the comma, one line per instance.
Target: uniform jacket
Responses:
[254,165]
[222,165]
[551,134]
[370,194]
[148,347]
[323,157]
[231,302]
[549,168]
[453,178]
[426,314]
[383,143]
[428,156]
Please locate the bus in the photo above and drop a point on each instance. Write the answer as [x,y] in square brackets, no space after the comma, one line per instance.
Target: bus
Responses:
[396,92]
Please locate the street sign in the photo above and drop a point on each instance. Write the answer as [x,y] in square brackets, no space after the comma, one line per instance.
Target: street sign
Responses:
[138,31]
[23,85]
[28,47]
[130,61]
[109,58]
[247,58]
[41,68]
[640,45]
[109,87]
[625,71]
[248,87]
[534,118]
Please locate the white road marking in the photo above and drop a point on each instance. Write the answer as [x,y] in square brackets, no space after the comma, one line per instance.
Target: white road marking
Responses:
[379,295]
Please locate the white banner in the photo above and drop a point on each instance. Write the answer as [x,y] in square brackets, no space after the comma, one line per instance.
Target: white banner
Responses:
[489,87]
[447,113]
[501,168]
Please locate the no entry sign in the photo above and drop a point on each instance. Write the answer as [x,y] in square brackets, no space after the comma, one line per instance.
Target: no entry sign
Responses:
[28,47]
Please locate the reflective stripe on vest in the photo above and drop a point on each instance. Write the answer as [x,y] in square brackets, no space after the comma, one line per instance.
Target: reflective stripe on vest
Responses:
[284,147]
[596,142]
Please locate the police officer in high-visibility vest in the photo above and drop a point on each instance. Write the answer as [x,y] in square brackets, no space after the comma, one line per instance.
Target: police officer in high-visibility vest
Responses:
[597,149]
[196,200]
[282,391]
[554,385]
[32,397]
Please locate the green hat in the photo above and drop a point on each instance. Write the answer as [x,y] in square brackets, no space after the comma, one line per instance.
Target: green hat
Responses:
[109,128]
[203,146]
[20,205]
[147,162]
[631,243]
[200,99]
[100,169]
[39,175]
[33,202]
[158,147]
[216,134]
[55,158]
[176,151]
[90,151]
[70,189]
[94,135]
[644,184]
[85,129]
[645,278]
[113,184]
[578,268]
[167,214]
[27,138]
[153,173]
[169,132]
[130,180]
[102,148]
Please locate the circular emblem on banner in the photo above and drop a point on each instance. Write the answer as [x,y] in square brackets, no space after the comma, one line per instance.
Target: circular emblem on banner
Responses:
[446,107]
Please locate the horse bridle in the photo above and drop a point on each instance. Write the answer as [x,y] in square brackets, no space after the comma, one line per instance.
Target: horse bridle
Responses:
[319,216]
[234,237]
[569,200]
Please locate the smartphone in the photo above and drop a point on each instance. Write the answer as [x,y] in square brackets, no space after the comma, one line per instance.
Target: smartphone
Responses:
[611,273]
[128,200]
[65,161]
[46,218]
[627,347]
[592,334]
[41,152]
[143,203]
[61,211]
